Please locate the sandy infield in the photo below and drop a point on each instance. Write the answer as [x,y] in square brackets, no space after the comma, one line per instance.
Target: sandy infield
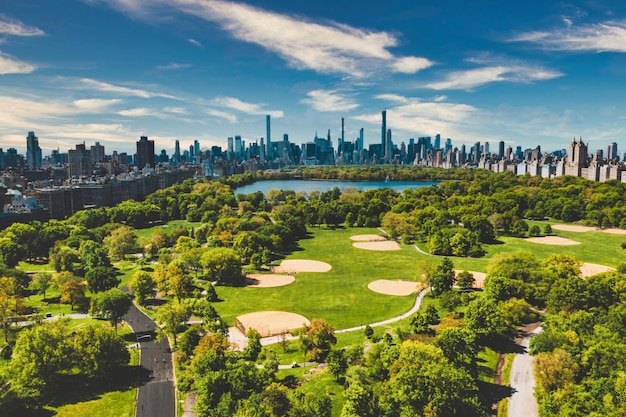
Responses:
[615,231]
[479,277]
[382,245]
[301,265]
[269,280]
[588,269]
[573,228]
[553,240]
[273,322]
[388,287]
[367,238]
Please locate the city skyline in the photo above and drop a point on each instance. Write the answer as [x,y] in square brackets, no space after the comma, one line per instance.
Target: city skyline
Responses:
[111,71]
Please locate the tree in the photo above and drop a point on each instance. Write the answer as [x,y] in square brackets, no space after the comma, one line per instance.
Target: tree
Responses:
[439,244]
[173,318]
[180,283]
[112,305]
[121,241]
[465,280]
[142,285]
[63,258]
[555,370]
[42,282]
[321,336]
[72,292]
[40,354]
[484,318]
[443,279]
[99,352]
[253,348]
[10,252]
[102,278]
[337,363]
[8,304]
[223,266]
[459,346]
[422,382]
[93,254]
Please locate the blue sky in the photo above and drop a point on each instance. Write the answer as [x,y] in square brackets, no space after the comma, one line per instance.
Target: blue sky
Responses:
[529,73]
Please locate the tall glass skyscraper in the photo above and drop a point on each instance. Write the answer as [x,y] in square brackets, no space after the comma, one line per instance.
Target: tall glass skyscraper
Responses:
[33,151]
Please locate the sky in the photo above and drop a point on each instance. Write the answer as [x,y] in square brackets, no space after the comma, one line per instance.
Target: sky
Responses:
[528,73]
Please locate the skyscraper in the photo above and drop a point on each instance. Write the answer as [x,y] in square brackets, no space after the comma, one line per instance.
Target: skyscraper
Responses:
[501,149]
[145,153]
[384,133]
[33,151]
[177,151]
[97,153]
[268,136]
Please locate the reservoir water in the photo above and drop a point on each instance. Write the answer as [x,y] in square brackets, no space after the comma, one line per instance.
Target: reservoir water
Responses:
[327,185]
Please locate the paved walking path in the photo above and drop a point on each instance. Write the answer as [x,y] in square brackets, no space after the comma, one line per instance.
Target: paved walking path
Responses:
[277,339]
[523,402]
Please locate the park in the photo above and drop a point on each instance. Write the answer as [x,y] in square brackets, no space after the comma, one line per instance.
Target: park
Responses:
[337,271]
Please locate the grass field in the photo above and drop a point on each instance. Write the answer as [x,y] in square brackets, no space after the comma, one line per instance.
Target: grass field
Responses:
[340,296]
[143,235]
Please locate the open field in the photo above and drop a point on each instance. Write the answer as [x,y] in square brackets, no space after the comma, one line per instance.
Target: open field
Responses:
[340,295]
[143,235]
[595,246]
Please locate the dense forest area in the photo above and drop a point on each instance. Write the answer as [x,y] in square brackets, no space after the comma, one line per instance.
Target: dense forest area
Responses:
[428,366]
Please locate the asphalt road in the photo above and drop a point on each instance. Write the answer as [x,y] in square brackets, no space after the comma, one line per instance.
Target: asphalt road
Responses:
[156,396]
[523,403]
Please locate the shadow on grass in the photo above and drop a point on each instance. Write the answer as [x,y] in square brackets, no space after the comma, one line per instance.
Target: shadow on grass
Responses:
[73,389]
[491,393]
[155,302]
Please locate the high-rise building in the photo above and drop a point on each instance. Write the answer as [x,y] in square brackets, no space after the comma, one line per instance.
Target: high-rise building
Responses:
[437,144]
[384,133]
[33,151]
[611,152]
[145,153]
[79,161]
[268,136]
[177,151]
[360,144]
[97,153]
[501,149]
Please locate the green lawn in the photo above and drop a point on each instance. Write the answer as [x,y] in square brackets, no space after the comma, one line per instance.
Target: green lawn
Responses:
[117,403]
[595,246]
[340,296]
[143,235]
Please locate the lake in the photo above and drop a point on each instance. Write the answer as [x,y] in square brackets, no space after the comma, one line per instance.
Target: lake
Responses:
[327,185]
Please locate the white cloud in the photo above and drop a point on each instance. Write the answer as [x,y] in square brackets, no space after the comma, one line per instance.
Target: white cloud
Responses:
[172,66]
[396,98]
[329,101]
[597,37]
[14,27]
[121,90]
[468,79]
[95,104]
[175,110]
[222,115]
[136,112]
[194,42]
[245,107]
[326,47]
[11,65]
[411,64]
[412,116]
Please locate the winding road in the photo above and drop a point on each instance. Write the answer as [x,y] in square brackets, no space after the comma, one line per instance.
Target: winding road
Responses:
[156,395]
[523,402]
